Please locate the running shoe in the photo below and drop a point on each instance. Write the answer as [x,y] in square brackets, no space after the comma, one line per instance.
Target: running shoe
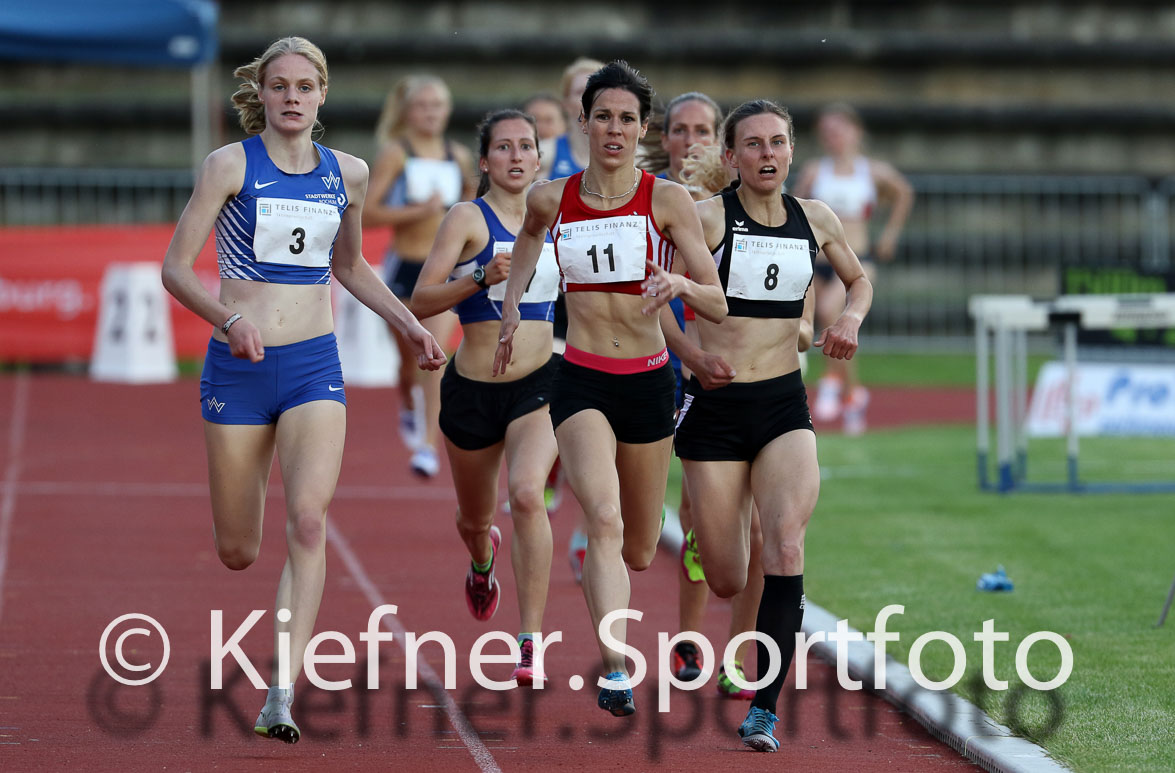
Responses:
[425,463]
[482,590]
[617,702]
[758,730]
[728,689]
[553,490]
[855,411]
[686,661]
[691,560]
[827,405]
[409,433]
[525,672]
[576,553]
[275,721]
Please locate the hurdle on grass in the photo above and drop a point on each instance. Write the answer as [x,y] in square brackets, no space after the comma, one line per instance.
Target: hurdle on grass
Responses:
[1002,324]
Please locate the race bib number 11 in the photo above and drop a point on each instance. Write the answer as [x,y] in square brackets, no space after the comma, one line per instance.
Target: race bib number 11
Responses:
[611,249]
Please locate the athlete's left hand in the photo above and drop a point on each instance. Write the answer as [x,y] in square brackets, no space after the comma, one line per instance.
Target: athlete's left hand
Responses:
[839,341]
[505,351]
[429,355]
[660,286]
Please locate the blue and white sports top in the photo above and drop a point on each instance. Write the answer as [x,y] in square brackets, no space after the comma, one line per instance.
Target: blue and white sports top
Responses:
[563,164]
[422,177]
[281,228]
[538,301]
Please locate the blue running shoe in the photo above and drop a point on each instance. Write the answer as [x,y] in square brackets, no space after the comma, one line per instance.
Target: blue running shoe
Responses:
[758,730]
[618,702]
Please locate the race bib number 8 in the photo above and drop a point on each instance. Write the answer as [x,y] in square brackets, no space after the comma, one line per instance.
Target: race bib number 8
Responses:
[543,286]
[612,249]
[768,268]
[295,233]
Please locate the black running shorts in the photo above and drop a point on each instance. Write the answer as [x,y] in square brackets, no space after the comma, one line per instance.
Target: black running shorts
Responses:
[733,423]
[475,414]
[638,406]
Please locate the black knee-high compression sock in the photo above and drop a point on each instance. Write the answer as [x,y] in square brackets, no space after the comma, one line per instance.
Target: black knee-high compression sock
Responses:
[781,612]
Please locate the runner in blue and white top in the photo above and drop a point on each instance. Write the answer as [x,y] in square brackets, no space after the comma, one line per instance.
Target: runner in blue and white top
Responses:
[485,419]
[287,213]
[281,227]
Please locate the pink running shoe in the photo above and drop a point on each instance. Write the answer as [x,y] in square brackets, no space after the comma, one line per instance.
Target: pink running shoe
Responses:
[482,591]
[525,671]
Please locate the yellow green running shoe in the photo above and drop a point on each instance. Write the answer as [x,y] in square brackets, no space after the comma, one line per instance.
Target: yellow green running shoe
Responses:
[691,560]
[728,689]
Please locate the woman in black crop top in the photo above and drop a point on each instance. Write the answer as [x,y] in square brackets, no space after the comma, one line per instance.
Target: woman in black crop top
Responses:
[745,432]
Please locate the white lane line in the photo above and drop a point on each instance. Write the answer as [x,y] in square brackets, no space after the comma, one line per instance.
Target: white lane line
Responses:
[141,489]
[20,410]
[481,755]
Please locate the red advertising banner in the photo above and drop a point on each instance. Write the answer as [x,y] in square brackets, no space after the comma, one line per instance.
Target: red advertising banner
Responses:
[50,280]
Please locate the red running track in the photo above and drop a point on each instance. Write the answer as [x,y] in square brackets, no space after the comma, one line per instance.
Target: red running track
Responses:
[104,511]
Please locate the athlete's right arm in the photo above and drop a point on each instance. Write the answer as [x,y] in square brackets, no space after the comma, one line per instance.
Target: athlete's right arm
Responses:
[388,166]
[711,370]
[712,215]
[459,238]
[542,205]
[221,177]
[807,320]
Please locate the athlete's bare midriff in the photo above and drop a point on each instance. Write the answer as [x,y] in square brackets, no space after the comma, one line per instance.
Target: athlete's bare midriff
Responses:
[284,314]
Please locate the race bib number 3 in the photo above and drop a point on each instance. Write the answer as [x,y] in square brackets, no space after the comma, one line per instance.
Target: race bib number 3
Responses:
[612,249]
[768,268]
[295,233]
[543,286]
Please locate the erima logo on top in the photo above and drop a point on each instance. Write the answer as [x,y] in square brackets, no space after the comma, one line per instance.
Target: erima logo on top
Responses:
[331,182]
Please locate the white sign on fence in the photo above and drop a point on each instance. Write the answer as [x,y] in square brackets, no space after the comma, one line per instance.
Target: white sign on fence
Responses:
[1111,400]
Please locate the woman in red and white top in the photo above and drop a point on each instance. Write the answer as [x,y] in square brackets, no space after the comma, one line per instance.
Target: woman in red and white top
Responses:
[616,231]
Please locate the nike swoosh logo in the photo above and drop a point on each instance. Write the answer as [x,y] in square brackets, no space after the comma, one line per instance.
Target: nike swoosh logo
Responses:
[334,388]
[259,185]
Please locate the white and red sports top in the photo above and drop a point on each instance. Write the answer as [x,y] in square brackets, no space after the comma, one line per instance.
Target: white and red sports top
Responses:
[604,250]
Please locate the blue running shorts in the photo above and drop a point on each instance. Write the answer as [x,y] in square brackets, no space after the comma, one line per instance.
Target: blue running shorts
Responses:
[236,391]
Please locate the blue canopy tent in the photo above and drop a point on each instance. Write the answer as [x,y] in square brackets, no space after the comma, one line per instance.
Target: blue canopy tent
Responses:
[146,33]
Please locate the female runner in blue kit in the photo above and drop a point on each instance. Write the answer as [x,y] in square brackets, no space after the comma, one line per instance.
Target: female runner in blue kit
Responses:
[485,419]
[287,213]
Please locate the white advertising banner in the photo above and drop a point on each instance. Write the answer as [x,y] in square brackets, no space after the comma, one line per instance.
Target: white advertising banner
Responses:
[1111,400]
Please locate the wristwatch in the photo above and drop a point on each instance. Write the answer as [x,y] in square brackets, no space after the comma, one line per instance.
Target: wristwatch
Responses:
[479,276]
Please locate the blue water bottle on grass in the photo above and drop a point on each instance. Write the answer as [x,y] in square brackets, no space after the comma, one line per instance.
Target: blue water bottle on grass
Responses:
[995,581]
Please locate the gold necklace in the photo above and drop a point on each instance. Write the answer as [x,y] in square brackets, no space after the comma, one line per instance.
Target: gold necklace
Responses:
[583,184]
